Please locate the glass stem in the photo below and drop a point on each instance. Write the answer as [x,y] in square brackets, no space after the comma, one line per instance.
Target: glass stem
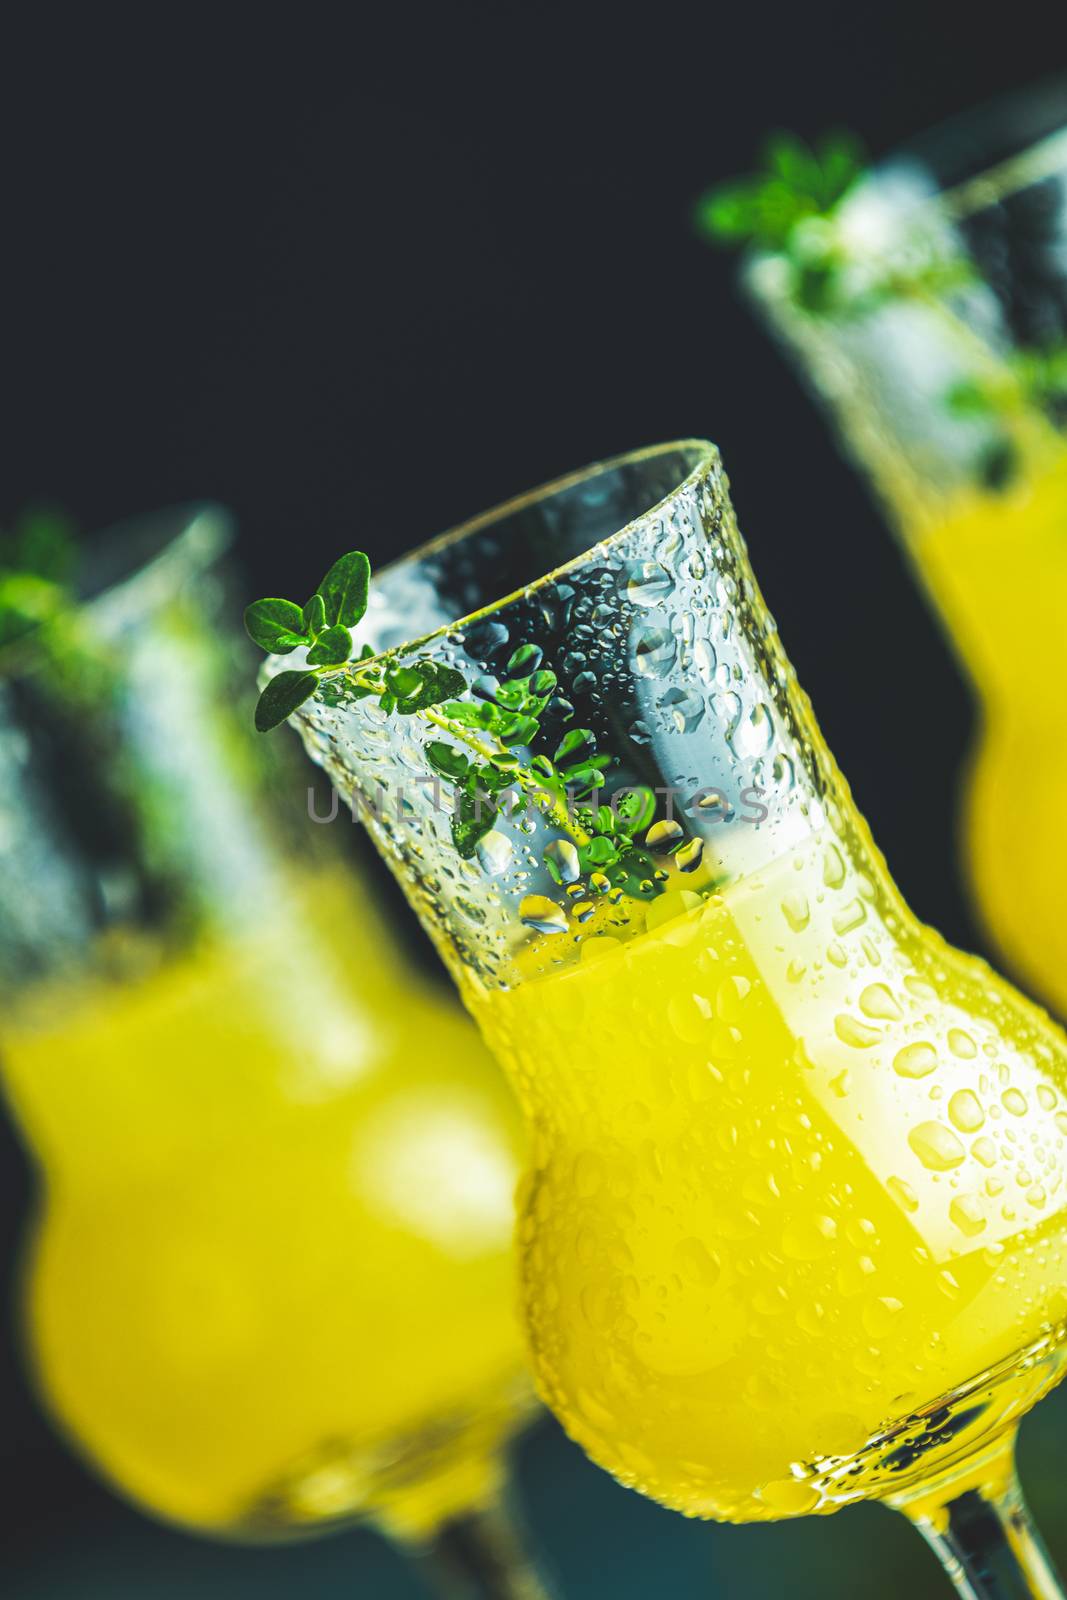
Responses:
[978,1525]
[480,1556]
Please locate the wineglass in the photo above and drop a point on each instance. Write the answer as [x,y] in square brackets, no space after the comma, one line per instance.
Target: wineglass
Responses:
[269,1286]
[941,352]
[793,1232]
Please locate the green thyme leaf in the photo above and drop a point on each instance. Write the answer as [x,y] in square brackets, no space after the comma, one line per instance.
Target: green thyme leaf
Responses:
[635,810]
[472,819]
[797,182]
[447,761]
[426,684]
[597,854]
[332,648]
[277,626]
[969,399]
[577,742]
[526,659]
[403,681]
[344,590]
[282,696]
[315,615]
[464,712]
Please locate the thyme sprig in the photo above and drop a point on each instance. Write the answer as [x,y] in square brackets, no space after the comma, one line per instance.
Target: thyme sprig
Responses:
[489,759]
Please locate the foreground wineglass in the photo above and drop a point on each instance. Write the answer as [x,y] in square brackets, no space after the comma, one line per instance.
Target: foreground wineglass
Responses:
[941,351]
[269,1287]
[793,1233]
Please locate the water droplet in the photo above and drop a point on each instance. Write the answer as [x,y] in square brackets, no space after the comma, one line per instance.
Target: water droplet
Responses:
[833,868]
[485,639]
[563,857]
[536,911]
[1046,1097]
[687,859]
[985,1151]
[855,1033]
[788,1497]
[649,584]
[495,852]
[796,911]
[705,660]
[783,772]
[689,1016]
[1014,1101]
[849,916]
[684,707]
[852,1275]
[808,1238]
[588,1174]
[753,734]
[663,836]
[879,1315]
[600,882]
[936,1146]
[967,1215]
[965,1110]
[915,1061]
[697,1263]
[878,1001]
[730,997]
[654,653]
[904,1193]
[598,948]
[961,1044]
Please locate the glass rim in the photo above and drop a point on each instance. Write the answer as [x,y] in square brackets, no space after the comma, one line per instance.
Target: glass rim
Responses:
[152,554]
[709,461]
[1034,156]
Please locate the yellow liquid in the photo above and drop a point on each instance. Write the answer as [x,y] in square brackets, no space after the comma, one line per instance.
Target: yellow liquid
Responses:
[272,1282]
[997,568]
[799,1171]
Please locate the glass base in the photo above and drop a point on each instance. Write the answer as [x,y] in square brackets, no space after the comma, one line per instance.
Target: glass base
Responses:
[949,1431]
[408,1485]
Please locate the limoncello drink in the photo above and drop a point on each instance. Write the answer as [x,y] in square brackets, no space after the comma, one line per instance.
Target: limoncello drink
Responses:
[271,1280]
[996,566]
[800,1182]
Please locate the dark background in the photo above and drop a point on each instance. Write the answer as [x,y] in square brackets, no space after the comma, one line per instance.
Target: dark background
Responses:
[359,281]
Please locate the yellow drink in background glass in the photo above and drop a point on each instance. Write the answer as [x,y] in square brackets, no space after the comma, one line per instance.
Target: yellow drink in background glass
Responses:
[948,384]
[269,1283]
[996,568]
[271,1279]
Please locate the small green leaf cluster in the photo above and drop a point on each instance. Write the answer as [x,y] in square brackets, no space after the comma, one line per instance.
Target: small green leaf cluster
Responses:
[613,850]
[323,626]
[1031,377]
[791,207]
[506,713]
[798,182]
[37,559]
